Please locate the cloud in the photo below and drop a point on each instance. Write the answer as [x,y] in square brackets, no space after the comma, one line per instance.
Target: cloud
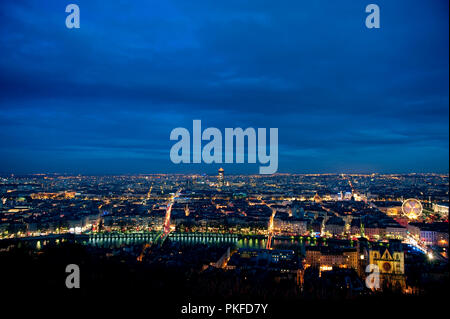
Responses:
[134,71]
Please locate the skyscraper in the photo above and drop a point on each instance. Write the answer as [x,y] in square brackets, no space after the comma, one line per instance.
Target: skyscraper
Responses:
[220,177]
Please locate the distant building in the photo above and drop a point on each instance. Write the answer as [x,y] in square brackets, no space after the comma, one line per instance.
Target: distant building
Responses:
[317,198]
[356,227]
[390,261]
[396,232]
[392,210]
[282,261]
[221,177]
[289,225]
[373,230]
[325,258]
[434,234]
[317,225]
[391,264]
[335,226]
[441,209]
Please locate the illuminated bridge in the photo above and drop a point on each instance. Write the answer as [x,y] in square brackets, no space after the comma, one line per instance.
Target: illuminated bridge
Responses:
[120,235]
[204,238]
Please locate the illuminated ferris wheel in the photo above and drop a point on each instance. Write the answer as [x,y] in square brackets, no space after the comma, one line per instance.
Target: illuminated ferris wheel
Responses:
[412,208]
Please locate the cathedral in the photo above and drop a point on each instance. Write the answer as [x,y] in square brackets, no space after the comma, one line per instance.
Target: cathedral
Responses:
[390,260]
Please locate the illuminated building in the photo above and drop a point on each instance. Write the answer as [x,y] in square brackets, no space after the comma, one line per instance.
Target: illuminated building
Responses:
[395,232]
[221,177]
[289,225]
[317,198]
[435,234]
[325,258]
[335,226]
[441,209]
[390,261]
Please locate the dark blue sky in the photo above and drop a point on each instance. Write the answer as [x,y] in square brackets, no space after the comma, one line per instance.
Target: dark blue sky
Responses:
[104,98]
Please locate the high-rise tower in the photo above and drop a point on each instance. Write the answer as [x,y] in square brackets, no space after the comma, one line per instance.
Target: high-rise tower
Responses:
[221,177]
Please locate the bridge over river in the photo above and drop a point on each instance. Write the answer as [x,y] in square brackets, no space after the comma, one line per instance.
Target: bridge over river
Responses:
[117,239]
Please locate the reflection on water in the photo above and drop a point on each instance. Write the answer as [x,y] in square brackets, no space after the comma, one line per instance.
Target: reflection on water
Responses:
[256,243]
[243,242]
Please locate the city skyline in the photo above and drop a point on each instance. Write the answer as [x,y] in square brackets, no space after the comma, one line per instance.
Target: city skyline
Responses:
[214,173]
[296,239]
[224,158]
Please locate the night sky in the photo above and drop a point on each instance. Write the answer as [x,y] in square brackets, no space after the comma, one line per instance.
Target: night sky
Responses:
[104,98]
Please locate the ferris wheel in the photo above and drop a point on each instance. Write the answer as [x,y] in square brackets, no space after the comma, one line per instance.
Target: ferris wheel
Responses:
[412,208]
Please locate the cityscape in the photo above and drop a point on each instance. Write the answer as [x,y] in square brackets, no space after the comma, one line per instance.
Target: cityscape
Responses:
[224,159]
[279,236]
